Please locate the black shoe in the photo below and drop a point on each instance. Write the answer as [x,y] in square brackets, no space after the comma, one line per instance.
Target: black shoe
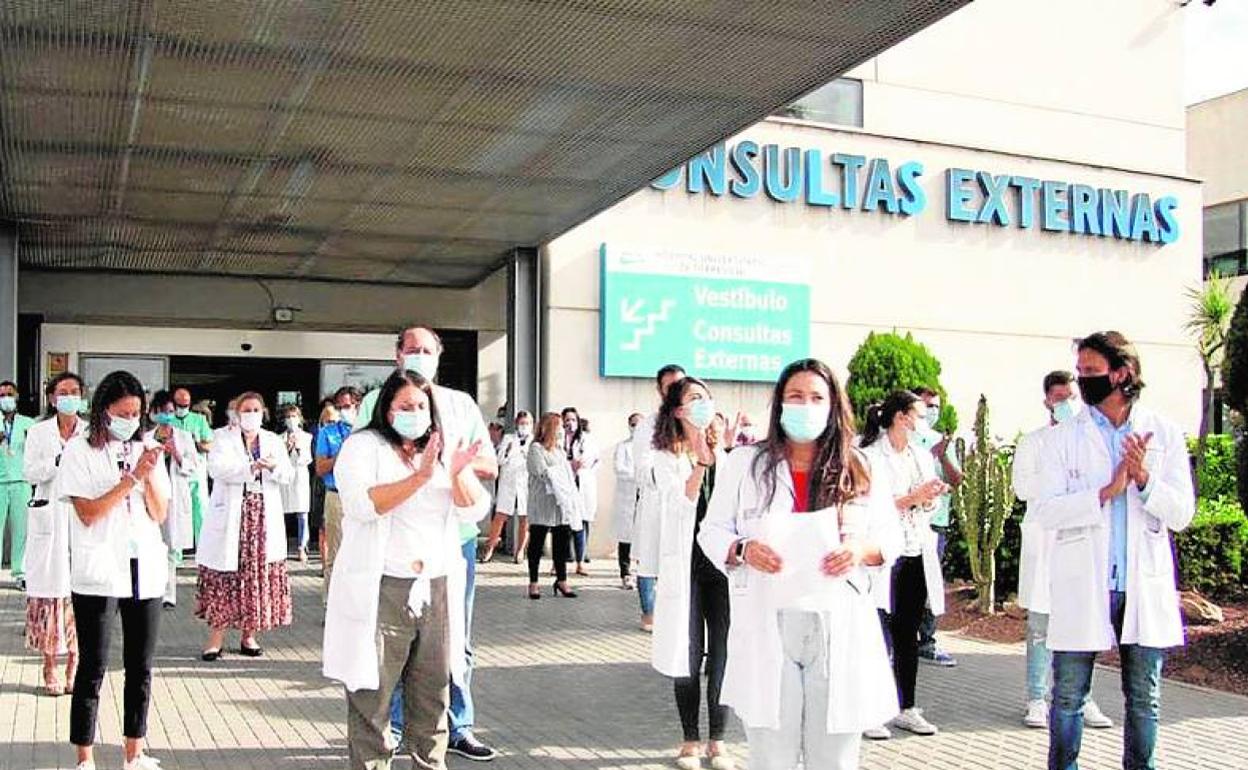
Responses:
[168,605]
[21,584]
[251,652]
[470,747]
[210,655]
[567,594]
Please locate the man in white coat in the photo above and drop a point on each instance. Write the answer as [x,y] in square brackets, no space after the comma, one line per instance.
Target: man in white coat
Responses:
[645,548]
[1116,482]
[1033,570]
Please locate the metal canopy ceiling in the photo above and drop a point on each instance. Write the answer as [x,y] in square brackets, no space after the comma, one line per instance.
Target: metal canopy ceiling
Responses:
[405,141]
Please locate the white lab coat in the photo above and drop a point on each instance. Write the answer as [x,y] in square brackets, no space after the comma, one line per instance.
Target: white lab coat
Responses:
[585,449]
[1076,465]
[229,464]
[297,495]
[861,690]
[179,525]
[879,453]
[645,549]
[512,491]
[1037,542]
[669,650]
[624,502]
[350,649]
[47,524]
[100,554]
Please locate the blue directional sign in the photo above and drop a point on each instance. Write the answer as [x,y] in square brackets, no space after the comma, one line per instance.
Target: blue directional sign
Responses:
[721,317]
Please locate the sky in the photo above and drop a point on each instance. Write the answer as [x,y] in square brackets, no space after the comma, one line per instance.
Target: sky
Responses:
[1217,49]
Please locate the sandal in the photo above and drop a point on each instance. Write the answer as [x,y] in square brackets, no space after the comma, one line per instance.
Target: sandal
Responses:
[51,682]
[71,673]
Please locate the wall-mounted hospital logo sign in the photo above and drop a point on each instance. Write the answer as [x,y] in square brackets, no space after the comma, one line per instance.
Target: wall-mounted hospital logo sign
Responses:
[721,317]
[859,183]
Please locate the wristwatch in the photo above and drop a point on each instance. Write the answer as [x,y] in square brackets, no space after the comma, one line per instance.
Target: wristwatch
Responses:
[739,551]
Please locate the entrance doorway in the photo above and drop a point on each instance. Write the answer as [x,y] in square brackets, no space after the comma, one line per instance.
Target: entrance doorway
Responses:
[221,378]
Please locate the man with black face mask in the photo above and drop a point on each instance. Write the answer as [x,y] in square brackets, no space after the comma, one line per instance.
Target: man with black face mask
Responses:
[1115,482]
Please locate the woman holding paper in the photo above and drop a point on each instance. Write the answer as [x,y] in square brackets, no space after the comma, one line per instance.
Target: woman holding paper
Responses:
[805,647]
[691,603]
[916,581]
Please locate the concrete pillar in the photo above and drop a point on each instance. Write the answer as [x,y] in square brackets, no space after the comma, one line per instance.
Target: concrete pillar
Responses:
[524,364]
[8,302]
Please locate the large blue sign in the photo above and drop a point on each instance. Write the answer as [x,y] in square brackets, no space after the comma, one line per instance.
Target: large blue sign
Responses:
[860,183]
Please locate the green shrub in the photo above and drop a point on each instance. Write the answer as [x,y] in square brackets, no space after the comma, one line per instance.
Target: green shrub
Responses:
[887,362]
[1218,479]
[1211,551]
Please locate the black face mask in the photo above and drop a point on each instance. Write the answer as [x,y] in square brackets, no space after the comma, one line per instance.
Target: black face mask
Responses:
[1096,389]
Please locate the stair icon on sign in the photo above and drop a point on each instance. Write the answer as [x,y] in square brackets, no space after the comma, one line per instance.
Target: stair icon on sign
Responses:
[630,313]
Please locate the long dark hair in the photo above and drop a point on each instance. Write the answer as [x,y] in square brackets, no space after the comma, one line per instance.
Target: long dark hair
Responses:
[114,387]
[838,473]
[880,416]
[668,432]
[380,421]
[50,390]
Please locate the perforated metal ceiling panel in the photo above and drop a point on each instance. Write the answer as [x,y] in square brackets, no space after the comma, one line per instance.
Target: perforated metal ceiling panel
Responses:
[412,141]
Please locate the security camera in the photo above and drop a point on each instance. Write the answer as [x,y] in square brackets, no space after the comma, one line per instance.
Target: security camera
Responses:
[246,346]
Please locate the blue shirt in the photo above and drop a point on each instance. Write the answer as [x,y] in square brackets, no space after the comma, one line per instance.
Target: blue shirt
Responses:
[328,443]
[1118,511]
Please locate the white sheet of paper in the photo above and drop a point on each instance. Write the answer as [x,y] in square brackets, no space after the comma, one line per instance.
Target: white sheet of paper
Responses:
[802,540]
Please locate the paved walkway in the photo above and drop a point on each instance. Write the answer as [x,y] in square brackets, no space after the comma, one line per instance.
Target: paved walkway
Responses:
[560,684]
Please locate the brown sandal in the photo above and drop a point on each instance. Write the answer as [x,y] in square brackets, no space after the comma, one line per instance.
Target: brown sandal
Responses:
[51,683]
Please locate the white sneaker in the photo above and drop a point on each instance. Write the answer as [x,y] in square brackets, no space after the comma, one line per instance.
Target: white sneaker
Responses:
[911,720]
[1093,717]
[877,733]
[1037,713]
[86,765]
[142,762]
[689,762]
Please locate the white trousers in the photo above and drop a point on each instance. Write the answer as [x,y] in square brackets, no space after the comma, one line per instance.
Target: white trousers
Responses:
[803,738]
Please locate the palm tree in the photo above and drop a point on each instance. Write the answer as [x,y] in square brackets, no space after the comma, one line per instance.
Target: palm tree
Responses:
[1209,315]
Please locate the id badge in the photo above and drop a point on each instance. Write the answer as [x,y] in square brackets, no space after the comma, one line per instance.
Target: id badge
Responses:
[253,486]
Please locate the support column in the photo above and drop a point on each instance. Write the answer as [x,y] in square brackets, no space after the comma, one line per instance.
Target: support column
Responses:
[524,350]
[524,364]
[8,302]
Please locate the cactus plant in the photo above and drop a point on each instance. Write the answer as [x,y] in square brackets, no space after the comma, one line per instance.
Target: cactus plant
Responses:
[982,503]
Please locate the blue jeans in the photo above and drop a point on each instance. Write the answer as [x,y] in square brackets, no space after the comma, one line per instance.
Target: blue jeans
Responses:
[1039,659]
[579,539]
[1141,686]
[645,594]
[462,715]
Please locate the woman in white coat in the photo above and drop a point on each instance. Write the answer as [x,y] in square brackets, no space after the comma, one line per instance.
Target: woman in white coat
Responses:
[49,612]
[182,461]
[512,489]
[119,563]
[242,550]
[910,473]
[1116,482]
[624,502]
[691,613]
[802,526]
[395,616]
[582,452]
[297,494]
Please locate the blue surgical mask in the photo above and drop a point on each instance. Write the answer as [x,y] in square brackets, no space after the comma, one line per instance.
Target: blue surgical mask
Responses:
[804,422]
[701,413]
[1064,410]
[181,411]
[166,418]
[411,425]
[8,404]
[123,428]
[424,364]
[68,404]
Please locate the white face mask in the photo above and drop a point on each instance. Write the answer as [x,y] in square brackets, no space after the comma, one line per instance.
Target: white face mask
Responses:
[424,364]
[293,423]
[250,422]
[524,430]
[347,414]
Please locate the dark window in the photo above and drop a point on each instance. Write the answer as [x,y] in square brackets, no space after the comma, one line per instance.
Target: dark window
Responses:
[839,102]
[1226,239]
